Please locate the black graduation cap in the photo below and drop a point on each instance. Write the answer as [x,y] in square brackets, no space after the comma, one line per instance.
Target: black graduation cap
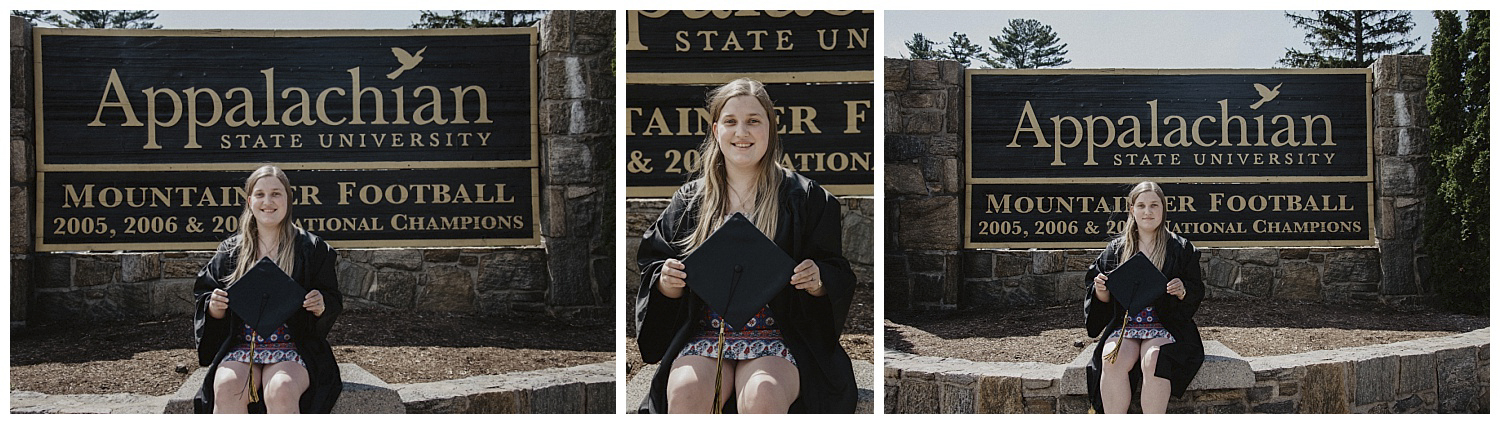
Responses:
[738,270]
[1136,283]
[265,297]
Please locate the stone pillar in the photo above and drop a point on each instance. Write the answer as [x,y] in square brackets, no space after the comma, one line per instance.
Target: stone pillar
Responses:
[575,65]
[22,169]
[1401,172]
[924,120]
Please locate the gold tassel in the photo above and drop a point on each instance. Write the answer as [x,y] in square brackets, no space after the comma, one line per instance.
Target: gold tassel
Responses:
[254,396]
[1118,341]
[719,370]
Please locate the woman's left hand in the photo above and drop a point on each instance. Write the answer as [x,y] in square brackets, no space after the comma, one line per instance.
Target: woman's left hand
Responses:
[313,302]
[1175,288]
[806,277]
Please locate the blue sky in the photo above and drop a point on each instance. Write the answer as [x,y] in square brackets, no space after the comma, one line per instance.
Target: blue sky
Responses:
[1133,39]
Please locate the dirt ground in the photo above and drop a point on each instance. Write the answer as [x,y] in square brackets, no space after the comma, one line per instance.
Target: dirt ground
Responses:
[1250,328]
[155,357]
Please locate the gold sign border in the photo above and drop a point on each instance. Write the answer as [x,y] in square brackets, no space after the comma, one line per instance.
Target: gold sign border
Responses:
[1369,242]
[43,166]
[535,239]
[703,78]
[647,192]
[1369,122]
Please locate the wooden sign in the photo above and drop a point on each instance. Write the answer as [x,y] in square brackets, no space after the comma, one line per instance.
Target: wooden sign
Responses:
[825,130]
[1297,136]
[1213,214]
[120,108]
[818,67]
[835,44]
[172,210]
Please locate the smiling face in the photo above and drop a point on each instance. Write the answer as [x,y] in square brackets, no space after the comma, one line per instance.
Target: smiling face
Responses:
[1147,211]
[742,132]
[268,201]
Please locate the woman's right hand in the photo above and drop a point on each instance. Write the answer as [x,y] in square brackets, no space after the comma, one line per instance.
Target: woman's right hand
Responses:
[218,303]
[673,280]
[1101,291]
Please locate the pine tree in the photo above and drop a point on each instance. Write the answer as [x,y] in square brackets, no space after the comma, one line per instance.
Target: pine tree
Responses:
[1027,44]
[962,50]
[478,18]
[1456,229]
[1350,38]
[35,17]
[922,48]
[122,19]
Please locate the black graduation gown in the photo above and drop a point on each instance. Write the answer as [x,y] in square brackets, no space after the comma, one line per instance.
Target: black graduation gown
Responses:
[316,265]
[809,227]
[1178,361]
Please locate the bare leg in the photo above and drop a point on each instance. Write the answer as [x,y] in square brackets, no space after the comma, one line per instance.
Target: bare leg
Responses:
[1154,390]
[1114,381]
[231,388]
[283,384]
[766,385]
[690,386]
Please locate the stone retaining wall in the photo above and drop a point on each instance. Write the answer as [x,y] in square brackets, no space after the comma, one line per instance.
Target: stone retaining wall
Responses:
[570,276]
[859,245]
[1442,374]
[927,267]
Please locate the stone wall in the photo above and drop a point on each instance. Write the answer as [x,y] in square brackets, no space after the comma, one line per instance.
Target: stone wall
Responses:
[22,168]
[1401,173]
[927,268]
[859,245]
[577,118]
[571,275]
[1441,374]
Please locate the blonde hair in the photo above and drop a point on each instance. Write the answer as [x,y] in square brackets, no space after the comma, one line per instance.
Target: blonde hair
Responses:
[1130,236]
[250,242]
[712,196]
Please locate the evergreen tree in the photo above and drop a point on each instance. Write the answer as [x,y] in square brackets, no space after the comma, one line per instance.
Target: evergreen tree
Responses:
[962,50]
[1350,38]
[36,17]
[1457,210]
[478,18]
[121,19]
[922,48]
[1027,44]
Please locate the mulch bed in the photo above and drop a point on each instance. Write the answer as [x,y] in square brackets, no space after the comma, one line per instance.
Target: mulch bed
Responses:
[154,358]
[1251,328]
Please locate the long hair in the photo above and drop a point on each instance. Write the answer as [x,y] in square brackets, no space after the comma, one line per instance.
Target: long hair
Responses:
[250,242]
[712,197]
[1130,235]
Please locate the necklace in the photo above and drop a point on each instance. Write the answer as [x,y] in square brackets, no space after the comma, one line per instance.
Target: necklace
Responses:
[737,199]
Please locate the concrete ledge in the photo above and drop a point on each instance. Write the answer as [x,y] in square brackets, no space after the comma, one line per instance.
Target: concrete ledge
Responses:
[1222,369]
[364,393]
[1446,374]
[584,389]
[864,377]
[23,402]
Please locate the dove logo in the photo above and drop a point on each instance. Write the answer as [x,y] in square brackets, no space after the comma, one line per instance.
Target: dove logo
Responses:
[408,61]
[1266,94]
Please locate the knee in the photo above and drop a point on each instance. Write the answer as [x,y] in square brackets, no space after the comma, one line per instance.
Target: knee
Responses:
[686,387]
[230,386]
[282,389]
[1148,363]
[763,396]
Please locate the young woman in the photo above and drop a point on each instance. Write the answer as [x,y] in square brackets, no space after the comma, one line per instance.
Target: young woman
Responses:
[292,370]
[788,358]
[1162,339]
